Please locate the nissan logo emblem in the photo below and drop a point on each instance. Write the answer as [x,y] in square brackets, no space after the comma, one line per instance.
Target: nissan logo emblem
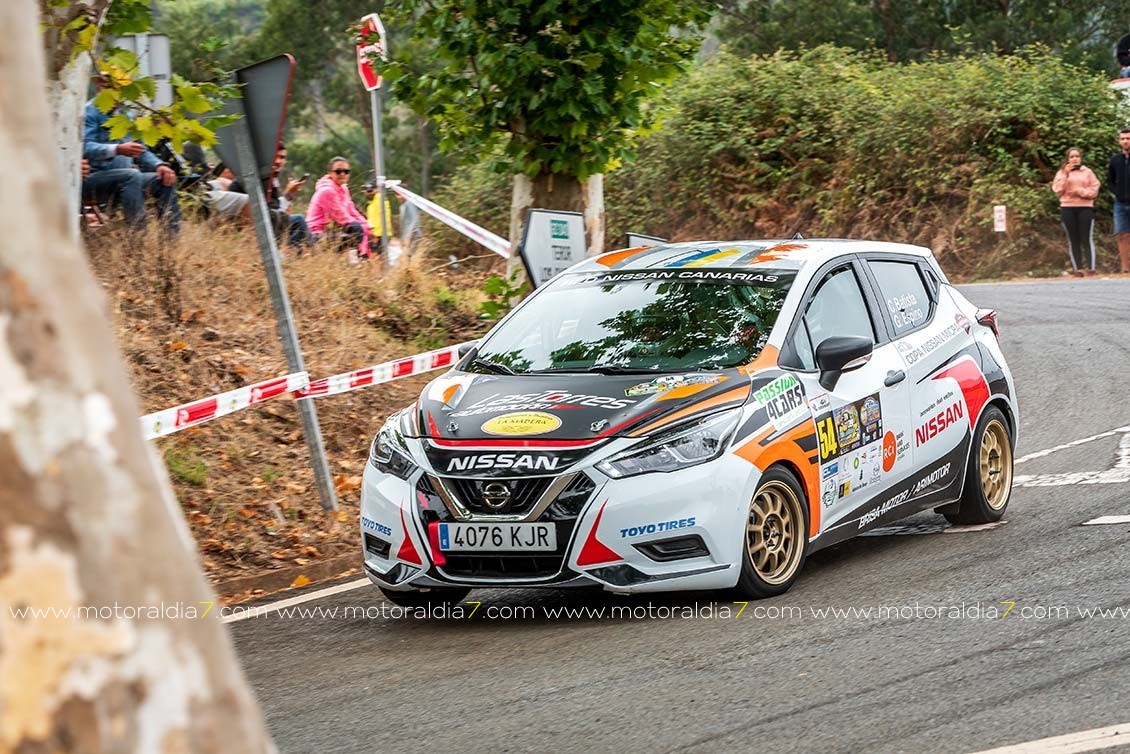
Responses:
[496,495]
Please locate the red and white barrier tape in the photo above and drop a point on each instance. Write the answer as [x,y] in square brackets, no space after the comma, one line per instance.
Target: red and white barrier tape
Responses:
[497,244]
[169,420]
[379,373]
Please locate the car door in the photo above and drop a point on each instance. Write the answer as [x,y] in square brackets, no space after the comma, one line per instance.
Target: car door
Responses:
[933,338]
[860,419]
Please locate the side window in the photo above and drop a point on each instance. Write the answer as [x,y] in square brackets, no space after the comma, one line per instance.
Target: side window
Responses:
[838,308]
[904,294]
[802,354]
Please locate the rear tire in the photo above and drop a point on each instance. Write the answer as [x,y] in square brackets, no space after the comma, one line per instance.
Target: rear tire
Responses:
[776,537]
[429,598]
[988,476]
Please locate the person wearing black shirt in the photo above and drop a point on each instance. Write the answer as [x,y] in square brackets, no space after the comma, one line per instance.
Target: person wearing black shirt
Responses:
[279,200]
[1118,181]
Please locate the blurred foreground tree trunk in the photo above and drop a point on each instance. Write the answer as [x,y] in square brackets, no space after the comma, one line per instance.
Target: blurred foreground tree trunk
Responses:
[88,524]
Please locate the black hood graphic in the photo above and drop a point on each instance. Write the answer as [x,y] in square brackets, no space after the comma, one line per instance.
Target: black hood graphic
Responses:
[534,411]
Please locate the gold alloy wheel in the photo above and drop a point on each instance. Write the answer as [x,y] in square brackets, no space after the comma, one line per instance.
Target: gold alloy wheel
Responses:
[996,464]
[774,539]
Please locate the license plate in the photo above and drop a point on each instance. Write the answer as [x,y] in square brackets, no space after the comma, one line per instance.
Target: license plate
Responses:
[497,537]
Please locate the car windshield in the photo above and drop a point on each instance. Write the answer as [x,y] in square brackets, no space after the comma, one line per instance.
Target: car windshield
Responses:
[648,321]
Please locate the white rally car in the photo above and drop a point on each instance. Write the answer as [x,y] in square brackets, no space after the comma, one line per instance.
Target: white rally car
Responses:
[694,416]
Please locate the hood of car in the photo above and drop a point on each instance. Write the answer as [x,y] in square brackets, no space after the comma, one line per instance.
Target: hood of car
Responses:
[559,414]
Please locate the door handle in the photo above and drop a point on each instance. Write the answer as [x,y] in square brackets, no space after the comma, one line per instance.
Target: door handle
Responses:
[894,378]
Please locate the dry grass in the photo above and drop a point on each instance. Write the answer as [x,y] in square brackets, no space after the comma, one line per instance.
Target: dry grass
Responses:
[193,318]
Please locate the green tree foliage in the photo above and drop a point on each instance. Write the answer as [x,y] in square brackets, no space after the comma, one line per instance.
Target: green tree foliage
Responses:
[123,91]
[1082,31]
[329,109]
[836,143]
[545,86]
[205,33]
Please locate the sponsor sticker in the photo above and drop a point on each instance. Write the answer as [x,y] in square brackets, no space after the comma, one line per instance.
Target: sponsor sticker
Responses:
[829,492]
[545,400]
[706,275]
[670,382]
[938,423]
[376,526]
[513,461]
[890,451]
[914,353]
[638,531]
[842,430]
[783,399]
[521,423]
[847,424]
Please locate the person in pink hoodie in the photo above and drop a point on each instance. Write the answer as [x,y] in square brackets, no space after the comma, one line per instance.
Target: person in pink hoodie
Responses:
[1077,188]
[332,203]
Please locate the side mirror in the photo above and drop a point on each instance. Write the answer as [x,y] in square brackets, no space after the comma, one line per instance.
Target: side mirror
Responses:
[840,354]
[466,348]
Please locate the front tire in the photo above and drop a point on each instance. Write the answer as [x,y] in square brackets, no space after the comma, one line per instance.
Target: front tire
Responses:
[988,477]
[425,598]
[776,537]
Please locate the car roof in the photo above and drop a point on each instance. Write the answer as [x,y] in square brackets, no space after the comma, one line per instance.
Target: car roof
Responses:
[789,254]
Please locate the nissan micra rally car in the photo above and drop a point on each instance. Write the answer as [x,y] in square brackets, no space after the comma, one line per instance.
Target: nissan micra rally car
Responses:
[694,416]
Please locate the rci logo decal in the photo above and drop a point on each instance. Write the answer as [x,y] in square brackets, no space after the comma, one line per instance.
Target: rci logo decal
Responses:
[522,423]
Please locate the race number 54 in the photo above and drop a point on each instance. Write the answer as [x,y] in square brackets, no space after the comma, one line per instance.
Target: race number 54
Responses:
[827,432]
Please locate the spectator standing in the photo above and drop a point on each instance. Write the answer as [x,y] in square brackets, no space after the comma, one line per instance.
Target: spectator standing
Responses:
[373,210]
[332,204]
[125,172]
[1118,181]
[1077,187]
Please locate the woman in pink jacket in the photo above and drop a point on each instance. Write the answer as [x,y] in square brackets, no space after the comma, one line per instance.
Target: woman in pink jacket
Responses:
[332,203]
[1077,187]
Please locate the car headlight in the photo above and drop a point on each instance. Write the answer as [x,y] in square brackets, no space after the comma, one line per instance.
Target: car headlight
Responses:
[686,445]
[389,453]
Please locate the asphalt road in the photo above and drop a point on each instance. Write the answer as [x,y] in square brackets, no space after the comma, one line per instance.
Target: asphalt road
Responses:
[915,681]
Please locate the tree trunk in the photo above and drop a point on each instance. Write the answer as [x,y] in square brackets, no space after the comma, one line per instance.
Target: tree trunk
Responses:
[317,110]
[89,525]
[68,80]
[557,191]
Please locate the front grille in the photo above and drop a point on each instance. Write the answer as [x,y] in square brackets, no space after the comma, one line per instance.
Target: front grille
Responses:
[523,493]
[472,566]
[496,565]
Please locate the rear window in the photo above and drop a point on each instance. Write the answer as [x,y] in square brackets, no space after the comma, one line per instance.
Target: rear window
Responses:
[904,293]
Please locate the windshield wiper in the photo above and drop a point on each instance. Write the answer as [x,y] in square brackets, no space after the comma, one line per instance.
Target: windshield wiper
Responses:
[492,366]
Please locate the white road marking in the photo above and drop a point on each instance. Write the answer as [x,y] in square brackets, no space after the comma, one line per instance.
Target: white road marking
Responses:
[260,610]
[1075,443]
[1110,476]
[1123,461]
[1104,520]
[1087,740]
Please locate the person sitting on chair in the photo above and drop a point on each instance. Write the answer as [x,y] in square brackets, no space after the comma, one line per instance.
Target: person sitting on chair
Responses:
[125,172]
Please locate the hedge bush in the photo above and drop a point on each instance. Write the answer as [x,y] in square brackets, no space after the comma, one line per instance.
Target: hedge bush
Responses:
[836,143]
[831,142]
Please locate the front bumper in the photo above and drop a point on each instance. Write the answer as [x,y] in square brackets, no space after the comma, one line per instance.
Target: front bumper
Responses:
[682,530]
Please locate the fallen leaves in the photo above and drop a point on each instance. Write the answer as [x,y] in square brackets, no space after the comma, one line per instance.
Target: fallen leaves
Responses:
[347,483]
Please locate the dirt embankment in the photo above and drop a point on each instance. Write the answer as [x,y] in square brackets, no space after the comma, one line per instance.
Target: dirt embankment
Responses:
[194,319]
